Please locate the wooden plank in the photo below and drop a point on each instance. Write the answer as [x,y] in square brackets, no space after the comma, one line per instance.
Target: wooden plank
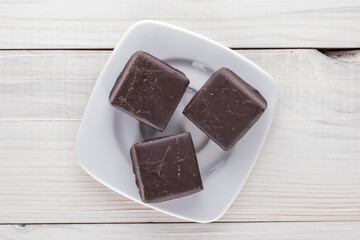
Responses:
[57,84]
[246,231]
[308,171]
[47,84]
[26,24]
[352,56]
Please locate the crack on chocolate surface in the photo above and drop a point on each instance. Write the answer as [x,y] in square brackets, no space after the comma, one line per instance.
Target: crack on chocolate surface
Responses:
[178,146]
[162,169]
[160,163]
[156,71]
[131,107]
[148,90]
[249,101]
[236,114]
[225,108]
[160,166]
[179,160]
[222,87]
[124,99]
[132,82]
[153,85]
[143,112]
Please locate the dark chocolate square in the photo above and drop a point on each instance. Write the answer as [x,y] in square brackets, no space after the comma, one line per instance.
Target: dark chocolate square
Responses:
[166,168]
[225,108]
[149,90]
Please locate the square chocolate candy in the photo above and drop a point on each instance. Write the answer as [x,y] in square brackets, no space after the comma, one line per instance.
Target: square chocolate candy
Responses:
[166,168]
[149,90]
[225,108]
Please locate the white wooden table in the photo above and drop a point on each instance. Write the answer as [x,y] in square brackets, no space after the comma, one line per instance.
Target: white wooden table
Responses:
[306,182]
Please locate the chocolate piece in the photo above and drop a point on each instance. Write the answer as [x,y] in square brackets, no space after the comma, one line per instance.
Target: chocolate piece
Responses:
[225,108]
[149,90]
[166,168]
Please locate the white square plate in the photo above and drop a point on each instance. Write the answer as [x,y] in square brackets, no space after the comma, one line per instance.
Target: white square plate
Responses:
[106,134]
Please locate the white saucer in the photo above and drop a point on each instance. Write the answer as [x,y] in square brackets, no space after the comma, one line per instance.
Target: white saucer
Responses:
[106,134]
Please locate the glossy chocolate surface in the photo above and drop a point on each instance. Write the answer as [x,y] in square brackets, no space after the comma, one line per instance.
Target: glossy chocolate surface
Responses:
[225,108]
[166,168]
[149,90]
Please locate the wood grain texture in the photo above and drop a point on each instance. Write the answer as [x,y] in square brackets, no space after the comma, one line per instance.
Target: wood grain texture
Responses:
[26,24]
[352,56]
[244,231]
[308,171]
[57,84]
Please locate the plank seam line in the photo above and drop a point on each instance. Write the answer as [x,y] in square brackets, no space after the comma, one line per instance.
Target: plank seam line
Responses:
[217,222]
[274,120]
[233,48]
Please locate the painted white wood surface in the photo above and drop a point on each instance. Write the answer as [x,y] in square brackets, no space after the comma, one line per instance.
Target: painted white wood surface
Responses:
[57,84]
[308,169]
[242,24]
[352,56]
[244,231]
